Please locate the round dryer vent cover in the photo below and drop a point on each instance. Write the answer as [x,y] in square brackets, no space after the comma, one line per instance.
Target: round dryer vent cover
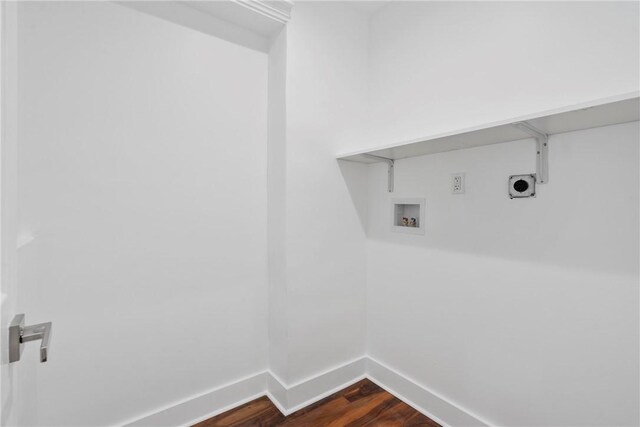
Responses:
[521,186]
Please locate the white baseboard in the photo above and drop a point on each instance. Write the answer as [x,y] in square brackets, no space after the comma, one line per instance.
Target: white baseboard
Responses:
[430,403]
[291,398]
[277,392]
[310,390]
[205,405]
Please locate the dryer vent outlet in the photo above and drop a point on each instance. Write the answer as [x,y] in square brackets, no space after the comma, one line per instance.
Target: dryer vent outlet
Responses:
[522,186]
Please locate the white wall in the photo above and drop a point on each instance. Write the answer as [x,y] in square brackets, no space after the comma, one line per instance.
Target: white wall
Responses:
[142,170]
[276,212]
[9,372]
[524,312]
[441,66]
[157,281]
[326,109]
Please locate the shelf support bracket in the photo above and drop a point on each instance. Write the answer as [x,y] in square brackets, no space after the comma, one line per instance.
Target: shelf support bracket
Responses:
[542,150]
[390,164]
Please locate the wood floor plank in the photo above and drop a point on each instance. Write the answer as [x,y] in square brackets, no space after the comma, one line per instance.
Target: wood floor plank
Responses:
[362,404]
[361,389]
[374,412]
[319,416]
[401,415]
[359,409]
[259,412]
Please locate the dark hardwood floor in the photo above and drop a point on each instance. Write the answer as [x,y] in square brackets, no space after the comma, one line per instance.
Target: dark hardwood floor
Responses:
[362,404]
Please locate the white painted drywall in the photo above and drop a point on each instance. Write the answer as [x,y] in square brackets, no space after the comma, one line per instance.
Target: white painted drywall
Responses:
[440,66]
[325,245]
[524,312]
[12,405]
[276,206]
[142,176]
[161,132]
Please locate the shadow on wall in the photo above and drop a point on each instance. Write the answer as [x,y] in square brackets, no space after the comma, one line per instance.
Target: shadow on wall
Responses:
[355,177]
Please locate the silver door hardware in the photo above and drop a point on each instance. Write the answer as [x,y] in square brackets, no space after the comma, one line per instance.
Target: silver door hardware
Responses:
[19,334]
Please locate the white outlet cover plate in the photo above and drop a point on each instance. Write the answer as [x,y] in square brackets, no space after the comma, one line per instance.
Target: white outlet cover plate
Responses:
[457,183]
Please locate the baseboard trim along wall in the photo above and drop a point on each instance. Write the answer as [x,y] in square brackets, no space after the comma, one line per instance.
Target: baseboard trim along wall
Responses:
[205,405]
[289,398]
[310,390]
[430,403]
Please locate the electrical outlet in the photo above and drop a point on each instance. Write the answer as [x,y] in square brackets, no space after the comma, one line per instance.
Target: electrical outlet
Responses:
[457,183]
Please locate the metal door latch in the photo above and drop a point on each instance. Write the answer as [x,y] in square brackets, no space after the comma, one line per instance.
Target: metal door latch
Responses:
[19,334]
